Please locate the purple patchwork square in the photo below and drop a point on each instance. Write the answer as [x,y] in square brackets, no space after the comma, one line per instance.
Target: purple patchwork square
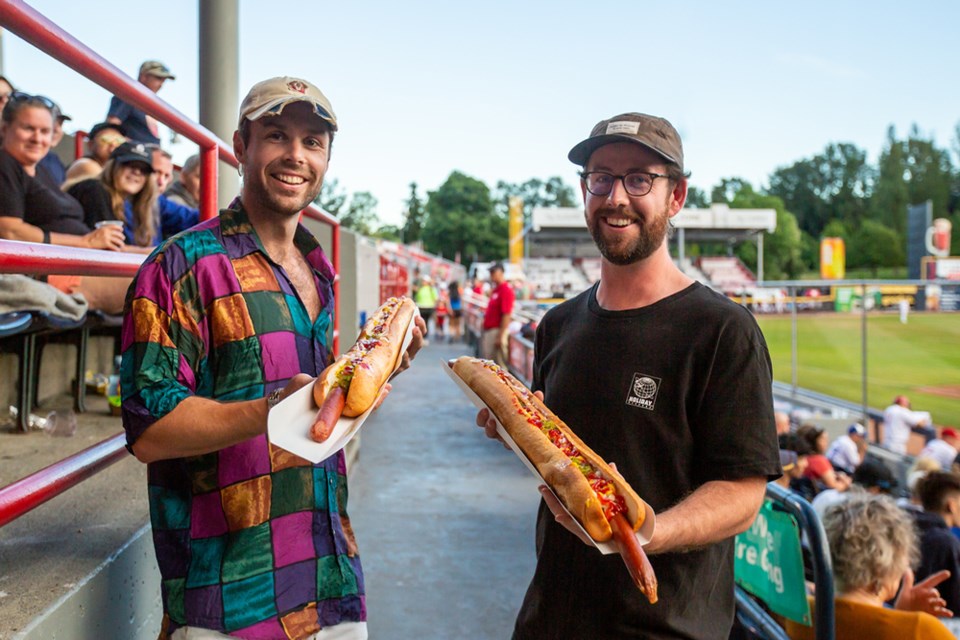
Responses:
[265,630]
[296,585]
[244,461]
[206,516]
[210,273]
[292,539]
[206,604]
[323,534]
[278,351]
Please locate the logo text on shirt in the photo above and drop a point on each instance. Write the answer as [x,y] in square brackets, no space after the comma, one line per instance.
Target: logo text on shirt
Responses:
[643,391]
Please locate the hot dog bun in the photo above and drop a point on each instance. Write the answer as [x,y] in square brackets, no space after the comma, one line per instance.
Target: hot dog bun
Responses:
[364,369]
[521,412]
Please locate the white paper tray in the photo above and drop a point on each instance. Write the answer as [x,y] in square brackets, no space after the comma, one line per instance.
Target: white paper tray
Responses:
[649,522]
[288,424]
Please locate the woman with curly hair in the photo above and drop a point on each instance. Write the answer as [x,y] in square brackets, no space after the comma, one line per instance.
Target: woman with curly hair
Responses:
[872,546]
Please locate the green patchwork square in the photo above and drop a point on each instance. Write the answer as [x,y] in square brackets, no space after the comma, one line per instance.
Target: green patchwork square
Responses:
[206,557]
[268,311]
[203,473]
[168,509]
[335,578]
[248,553]
[248,601]
[246,369]
[174,590]
[292,491]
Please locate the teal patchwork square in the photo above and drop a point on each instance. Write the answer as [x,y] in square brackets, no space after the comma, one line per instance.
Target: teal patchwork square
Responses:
[168,509]
[248,601]
[248,553]
[206,558]
[321,501]
[335,578]
[247,368]
[174,598]
[292,490]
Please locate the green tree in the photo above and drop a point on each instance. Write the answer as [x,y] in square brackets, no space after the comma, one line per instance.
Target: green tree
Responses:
[553,192]
[727,190]
[461,221]
[781,249]
[697,198]
[874,245]
[331,197]
[361,214]
[413,217]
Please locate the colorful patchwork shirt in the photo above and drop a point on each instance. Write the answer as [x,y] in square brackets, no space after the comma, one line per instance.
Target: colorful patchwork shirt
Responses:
[251,540]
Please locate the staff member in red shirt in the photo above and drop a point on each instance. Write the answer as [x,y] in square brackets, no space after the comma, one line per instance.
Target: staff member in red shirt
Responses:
[496,319]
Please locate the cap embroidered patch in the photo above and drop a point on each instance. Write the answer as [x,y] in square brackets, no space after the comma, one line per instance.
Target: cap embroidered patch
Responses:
[630,128]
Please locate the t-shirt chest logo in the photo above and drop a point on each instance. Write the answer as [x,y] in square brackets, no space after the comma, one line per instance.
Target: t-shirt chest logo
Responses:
[643,391]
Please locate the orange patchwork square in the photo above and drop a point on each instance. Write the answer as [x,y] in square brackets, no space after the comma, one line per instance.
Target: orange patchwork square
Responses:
[230,320]
[281,459]
[299,624]
[150,323]
[255,274]
[246,504]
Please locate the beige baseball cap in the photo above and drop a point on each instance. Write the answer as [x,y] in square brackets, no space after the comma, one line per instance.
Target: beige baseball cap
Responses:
[652,132]
[156,68]
[271,96]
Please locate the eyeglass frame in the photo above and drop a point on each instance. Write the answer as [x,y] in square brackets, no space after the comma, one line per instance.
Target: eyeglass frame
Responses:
[584,175]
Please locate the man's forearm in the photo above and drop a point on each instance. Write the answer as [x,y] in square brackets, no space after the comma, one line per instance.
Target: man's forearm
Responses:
[200,425]
[715,511]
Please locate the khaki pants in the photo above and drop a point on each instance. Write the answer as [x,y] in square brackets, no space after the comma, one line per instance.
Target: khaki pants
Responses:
[493,348]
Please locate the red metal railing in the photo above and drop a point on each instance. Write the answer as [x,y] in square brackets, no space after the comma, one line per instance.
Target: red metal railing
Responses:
[39,259]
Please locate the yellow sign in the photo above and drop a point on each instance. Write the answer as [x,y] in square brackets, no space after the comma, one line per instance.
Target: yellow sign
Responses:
[833,259]
[515,228]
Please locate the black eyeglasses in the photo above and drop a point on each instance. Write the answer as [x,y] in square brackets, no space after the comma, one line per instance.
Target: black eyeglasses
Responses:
[19,96]
[638,183]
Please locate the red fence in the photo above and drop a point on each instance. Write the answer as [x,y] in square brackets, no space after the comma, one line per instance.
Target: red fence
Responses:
[40,259]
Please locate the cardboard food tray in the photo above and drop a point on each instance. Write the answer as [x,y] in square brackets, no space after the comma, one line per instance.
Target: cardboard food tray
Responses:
[649,521]
[288,424]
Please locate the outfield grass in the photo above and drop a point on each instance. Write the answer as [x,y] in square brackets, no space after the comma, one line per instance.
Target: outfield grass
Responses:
[901,358]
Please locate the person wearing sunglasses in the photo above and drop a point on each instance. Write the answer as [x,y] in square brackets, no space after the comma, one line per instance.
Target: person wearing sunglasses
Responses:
[102,139]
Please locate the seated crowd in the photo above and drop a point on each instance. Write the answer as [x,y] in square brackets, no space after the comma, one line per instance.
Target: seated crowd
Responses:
[895,553]
[113,198]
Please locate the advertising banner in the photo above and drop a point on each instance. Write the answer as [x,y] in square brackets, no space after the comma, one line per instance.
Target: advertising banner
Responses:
[833,259]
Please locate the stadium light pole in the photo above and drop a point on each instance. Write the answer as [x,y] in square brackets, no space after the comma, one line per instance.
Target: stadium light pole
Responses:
[863,351]
[220,80]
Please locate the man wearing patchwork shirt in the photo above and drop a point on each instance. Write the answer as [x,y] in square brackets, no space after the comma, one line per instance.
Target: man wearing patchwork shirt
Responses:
[222,322]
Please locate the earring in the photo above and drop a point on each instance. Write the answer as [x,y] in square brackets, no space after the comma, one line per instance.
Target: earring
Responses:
[240,170]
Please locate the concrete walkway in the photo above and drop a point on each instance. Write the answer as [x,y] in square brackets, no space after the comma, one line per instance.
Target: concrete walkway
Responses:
[443,515]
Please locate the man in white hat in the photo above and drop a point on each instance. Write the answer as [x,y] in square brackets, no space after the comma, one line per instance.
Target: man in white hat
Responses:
[223,322]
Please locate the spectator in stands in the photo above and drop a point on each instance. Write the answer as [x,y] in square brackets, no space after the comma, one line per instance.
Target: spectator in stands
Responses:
[456,311]
[257,540]
[497,317]
[899,421]
[185,190]
[162,167]
[103,138]
[819,469]
[872,475]
[32,207]
[799,483]
[173,217]
[51,162]
[939,494]
[477,286]
[872,547]
[667,378]
[138,125]
[943,449]
[425,295]
[783,422]
[793,466]
[6,88]
[846,452]
[126,192]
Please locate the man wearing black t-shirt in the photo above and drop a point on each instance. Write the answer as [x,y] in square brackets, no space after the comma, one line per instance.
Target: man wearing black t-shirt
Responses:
[669,380]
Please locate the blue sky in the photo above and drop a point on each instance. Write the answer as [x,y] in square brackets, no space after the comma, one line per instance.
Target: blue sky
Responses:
[501,90]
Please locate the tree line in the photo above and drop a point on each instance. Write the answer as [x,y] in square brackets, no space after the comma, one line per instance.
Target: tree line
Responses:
[835,193]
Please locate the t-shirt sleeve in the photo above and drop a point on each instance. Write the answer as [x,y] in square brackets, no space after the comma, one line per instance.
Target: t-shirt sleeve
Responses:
[94,200]
[735,430]
[12,188]
[119,109]
[507,298]
[162,348]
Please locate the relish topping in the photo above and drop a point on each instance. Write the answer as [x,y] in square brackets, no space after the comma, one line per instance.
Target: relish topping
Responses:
[367,342]
[610,502]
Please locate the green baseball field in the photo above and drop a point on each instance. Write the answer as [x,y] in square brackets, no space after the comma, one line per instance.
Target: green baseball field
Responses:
[920,359]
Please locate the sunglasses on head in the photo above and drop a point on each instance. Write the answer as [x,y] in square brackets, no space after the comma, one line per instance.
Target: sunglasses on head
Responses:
[18,97]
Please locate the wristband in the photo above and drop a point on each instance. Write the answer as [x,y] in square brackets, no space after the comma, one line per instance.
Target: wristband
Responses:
[46,236]
[274,398]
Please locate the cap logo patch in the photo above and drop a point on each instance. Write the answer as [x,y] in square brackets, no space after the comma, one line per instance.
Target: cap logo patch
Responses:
[630,128]
[643,391]
[296,85]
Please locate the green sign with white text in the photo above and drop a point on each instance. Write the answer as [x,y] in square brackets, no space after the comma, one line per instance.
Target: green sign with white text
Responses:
[769,564]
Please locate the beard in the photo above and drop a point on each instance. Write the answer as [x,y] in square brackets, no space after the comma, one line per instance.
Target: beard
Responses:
[265,199]
[650,237]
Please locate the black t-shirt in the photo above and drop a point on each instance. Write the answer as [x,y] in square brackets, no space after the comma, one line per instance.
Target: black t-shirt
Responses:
[676,393]
[93,197]
[36,200]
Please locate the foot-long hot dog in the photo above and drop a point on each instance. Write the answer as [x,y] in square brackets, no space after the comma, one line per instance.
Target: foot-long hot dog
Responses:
[352,383]
[600,500]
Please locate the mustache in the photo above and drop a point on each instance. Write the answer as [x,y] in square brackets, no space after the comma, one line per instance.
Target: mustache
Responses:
[618,211]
